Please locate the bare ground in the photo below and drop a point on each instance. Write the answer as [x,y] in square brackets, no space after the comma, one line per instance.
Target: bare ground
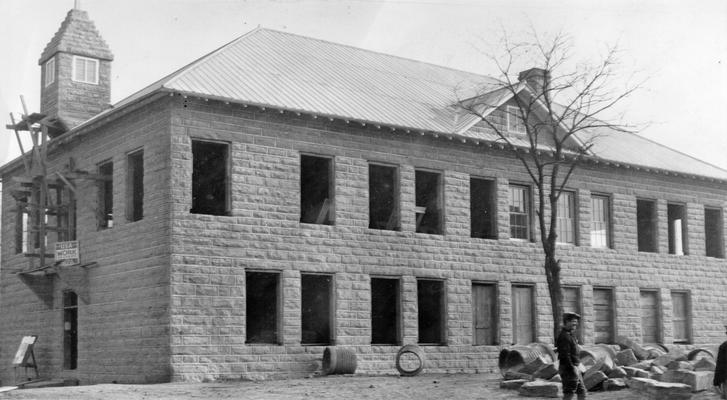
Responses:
[423,387]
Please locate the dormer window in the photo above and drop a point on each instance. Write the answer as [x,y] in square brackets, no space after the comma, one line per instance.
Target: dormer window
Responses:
[50,71]
[514,120]
[85,70]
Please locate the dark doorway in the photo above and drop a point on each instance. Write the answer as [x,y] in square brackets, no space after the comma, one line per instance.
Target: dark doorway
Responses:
[70,330]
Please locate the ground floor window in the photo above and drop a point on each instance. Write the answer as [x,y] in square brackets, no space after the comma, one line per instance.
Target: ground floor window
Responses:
[603,315]
[572,303]
[385,311]
[316,306]
[70,330]
[262,311]
[650,332]
[681,317]
[484,310]
[430,300]
[523,315]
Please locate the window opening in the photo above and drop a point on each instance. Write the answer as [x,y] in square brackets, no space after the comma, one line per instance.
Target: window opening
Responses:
[600,222]
[135,186]
[430,300]
[523,315]
[519,212]
[681,316]
[50,71]
[483,208]
[316,190]
[572,303]
[650,332]
[22,220]
[514,120]
[384,311]
[85,70]
[428,202]
[316,309]
[676,216]
[262,290]
[566,225]
[604,319]
[713,232]
[106,195]
[70,330]
[210,178]
[383,198]
[484,299]
[646,225]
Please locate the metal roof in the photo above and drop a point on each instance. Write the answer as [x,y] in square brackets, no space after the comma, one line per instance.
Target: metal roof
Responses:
[296,73]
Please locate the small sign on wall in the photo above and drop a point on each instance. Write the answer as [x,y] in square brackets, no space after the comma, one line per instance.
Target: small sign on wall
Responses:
[67,253]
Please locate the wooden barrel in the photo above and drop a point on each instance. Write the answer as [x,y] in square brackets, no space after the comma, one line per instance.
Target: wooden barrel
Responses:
[337,360]
[410,360]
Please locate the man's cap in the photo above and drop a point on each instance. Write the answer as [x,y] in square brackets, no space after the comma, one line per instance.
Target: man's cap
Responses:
[570,316]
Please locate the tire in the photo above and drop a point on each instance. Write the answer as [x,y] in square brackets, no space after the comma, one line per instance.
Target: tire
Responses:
[417,352]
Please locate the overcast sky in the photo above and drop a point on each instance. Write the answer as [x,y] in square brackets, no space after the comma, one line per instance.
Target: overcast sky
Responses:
[681,46]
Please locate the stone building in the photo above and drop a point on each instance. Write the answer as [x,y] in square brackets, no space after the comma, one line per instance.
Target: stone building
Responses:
[283,194]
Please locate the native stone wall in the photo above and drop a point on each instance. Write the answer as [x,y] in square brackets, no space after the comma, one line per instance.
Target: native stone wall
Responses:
[263,233]
[123,320]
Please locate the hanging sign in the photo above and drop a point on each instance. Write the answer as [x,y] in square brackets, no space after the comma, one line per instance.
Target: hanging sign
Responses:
[67,253]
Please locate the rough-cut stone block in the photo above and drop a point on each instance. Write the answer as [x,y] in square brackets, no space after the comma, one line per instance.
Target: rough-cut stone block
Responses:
[614,384]
[593,379]
[626,358]
[556,378]
[627,343]
[656,372]
[512,384]
[510,375]
[636,372]
[645,365]
[668,391]
[546,372]
[685,365]
[667,358]
[617,372]
[704,364]
[697,380]
[639,384]
[541,389]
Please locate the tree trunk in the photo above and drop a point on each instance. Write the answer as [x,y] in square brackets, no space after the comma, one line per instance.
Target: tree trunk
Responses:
[552,272]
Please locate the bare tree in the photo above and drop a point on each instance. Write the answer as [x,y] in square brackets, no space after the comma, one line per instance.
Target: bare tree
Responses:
[562,108]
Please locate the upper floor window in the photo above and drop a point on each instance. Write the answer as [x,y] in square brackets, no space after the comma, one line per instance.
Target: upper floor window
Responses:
[566,225]
[483,208]
[428,202]
[677,217]
[210,178]
[50,71]
[383,197]
[85,70]
[514,120]
[600,222]
[713,232]
[22,228]
[135,186]
[316,190]
[646,225]
[106,195]
[519,212]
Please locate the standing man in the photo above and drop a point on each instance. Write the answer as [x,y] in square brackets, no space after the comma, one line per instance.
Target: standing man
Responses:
[720,371]
[567,347]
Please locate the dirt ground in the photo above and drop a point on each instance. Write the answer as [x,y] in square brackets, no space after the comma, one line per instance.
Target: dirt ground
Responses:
[422,387]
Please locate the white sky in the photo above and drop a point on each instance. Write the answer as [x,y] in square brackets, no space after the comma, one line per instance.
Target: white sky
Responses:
[681,46]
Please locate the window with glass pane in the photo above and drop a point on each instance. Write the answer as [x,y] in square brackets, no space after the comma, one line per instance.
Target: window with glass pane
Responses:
[600,222]
[519,212]
[566,225]
[50,71]
[85,70]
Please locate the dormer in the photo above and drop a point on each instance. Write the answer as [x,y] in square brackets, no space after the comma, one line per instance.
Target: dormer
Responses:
[75,73]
